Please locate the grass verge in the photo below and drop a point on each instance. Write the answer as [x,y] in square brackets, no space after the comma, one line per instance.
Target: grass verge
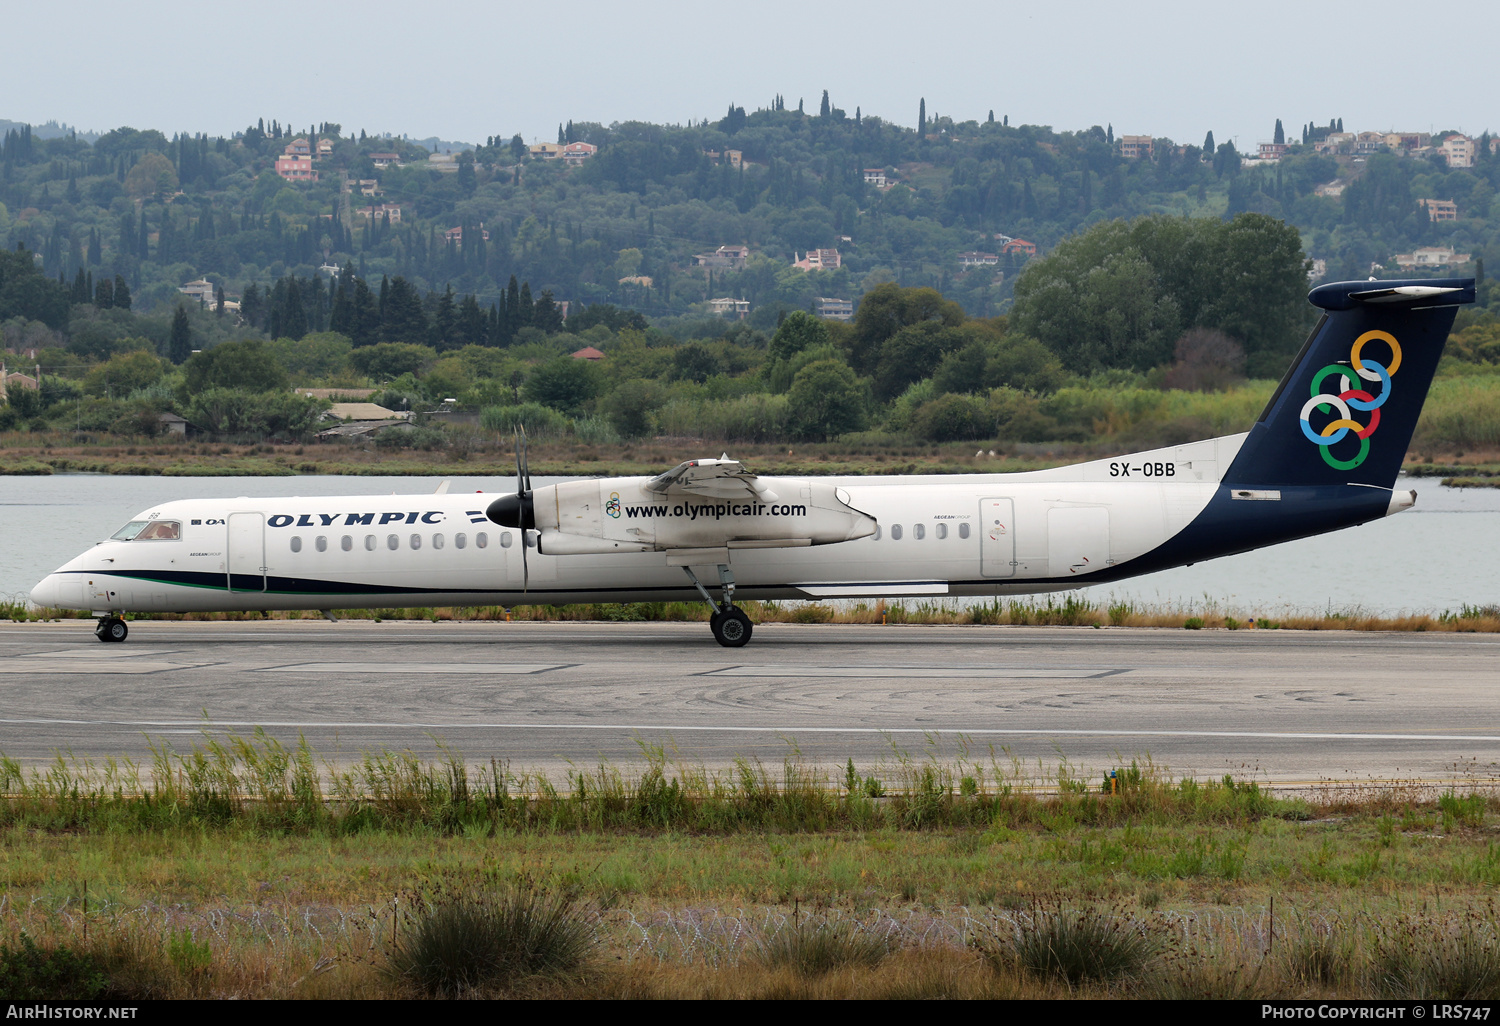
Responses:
[241,869]
[1066,611]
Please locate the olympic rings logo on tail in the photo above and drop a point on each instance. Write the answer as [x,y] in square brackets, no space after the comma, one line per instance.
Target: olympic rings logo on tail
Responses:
[1348,400]
[612,507]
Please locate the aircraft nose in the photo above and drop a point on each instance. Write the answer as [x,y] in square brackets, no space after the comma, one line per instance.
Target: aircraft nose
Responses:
[47,593]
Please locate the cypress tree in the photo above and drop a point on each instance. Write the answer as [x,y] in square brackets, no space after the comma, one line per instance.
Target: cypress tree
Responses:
[1208,144]
[403,320]
[445,322]
[104,294]
[341,316]
[512,310]
[252,309]
[364,321]
[180,342]
[525,309]
[922,119]
[1280,135]
[122,293]
[293,314]
[825,108]
[471,323]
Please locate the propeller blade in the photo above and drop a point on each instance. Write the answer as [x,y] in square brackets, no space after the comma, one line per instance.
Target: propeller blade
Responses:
[523,492]
[517,511]
[525,570]
[525,461]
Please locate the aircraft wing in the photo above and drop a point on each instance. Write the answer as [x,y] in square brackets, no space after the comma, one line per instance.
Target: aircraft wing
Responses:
[717,479]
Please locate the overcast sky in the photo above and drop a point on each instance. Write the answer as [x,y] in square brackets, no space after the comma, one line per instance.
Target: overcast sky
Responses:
[467,69]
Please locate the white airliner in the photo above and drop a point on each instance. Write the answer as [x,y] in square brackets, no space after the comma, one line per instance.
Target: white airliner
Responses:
[1324,455]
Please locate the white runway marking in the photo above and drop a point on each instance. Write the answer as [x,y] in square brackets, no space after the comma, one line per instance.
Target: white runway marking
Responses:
[917,672]
[468,669]
[50,667]
[691,729]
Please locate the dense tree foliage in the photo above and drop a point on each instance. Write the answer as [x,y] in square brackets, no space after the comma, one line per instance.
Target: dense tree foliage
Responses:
[622,228]
[1120,294]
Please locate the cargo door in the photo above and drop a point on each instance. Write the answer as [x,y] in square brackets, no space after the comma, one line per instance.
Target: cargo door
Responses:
[1077,540]
[997,538]
[247,552]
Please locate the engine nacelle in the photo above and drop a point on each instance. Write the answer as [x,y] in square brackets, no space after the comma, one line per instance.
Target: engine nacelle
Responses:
[624,515]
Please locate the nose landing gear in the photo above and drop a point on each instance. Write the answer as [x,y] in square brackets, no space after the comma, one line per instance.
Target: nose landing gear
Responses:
[111,628]
[729,623]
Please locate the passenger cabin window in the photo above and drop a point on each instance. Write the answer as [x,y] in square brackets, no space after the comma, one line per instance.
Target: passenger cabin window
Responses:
[895,532]
[919,531]
[149,530]
[321,544]
[481,539]
[460,540]
[942,531]
[370,543]
[437,541]
[393,542]
[347,543]
[296,543]
[416,541]
[876,535]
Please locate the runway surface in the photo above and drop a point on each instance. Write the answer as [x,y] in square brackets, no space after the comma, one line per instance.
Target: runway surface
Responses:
[1276,704]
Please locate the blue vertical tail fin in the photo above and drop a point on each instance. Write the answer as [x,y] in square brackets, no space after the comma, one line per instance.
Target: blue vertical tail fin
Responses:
[1346,410]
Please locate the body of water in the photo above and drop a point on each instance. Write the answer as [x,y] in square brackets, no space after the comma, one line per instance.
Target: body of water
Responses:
[1441,555]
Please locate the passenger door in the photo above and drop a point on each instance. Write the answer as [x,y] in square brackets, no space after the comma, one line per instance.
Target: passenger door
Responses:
[997,538]
[247,552]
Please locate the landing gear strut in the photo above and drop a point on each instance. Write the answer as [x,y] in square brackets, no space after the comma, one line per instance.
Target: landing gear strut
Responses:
[111,628]
[729,623]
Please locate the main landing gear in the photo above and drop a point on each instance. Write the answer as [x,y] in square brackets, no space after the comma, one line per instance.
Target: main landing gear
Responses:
[729,623]
[111,628]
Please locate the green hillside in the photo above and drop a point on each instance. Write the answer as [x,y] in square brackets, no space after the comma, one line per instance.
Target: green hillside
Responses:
[1011,283]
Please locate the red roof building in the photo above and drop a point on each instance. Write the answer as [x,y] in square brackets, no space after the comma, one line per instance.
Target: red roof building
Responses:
[296,169]
[588,353]
[578,152]
[819,260]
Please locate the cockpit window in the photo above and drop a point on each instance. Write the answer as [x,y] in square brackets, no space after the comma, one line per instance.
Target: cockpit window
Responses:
[129,531]
[149,530]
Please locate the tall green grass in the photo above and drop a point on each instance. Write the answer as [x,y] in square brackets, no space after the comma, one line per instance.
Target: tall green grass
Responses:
[469,940]
[256,781]
[1461,413]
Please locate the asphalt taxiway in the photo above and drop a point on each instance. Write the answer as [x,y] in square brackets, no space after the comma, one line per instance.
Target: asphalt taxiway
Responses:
[1279,705]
